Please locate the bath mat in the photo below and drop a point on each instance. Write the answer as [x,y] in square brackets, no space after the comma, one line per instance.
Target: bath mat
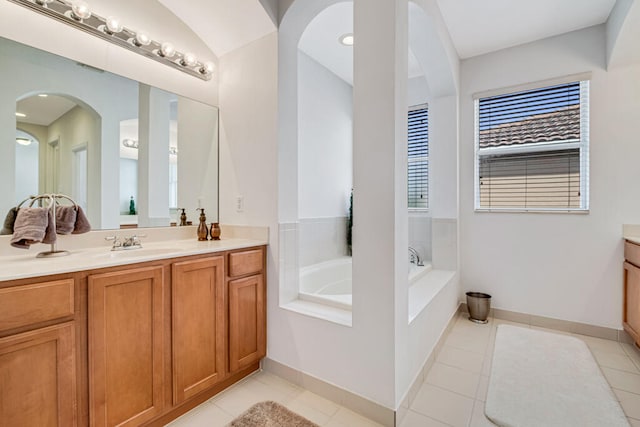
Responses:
[270,414]
[544,379]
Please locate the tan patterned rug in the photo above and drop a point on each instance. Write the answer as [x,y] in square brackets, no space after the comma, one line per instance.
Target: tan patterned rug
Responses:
[270,414]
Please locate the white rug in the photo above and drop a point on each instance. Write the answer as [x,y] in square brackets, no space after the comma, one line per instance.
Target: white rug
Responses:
[544,379]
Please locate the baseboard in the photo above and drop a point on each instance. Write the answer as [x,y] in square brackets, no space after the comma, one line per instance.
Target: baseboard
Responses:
[559,325]
[352,401]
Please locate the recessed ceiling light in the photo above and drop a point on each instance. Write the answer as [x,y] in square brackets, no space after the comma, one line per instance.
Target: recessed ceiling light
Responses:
[346,39]
[20,114]
[23,141]
[43,95]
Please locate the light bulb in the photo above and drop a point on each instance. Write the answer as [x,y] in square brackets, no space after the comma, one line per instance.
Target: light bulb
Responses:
[80,10]
[23,141]
[346,39]
[208,67]
[189,59]
[167,50]
[113,25]
[142,39]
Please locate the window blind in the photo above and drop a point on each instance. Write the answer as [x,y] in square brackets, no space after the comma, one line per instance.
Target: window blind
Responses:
[532,149]
[418,158]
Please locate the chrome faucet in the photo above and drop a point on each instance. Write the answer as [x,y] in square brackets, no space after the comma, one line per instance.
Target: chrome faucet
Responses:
[414,257]
[131,242]
[117,243]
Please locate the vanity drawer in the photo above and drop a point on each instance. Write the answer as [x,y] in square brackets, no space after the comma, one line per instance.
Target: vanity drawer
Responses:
[39,302]
[245,262]
[632,253]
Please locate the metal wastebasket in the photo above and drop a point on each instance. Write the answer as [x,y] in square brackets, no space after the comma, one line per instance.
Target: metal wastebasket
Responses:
[479,305]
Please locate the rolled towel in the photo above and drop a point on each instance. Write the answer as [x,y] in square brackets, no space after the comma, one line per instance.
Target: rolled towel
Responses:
[30,227]
[65,219]
[50,232]
[82,223]
[10,219]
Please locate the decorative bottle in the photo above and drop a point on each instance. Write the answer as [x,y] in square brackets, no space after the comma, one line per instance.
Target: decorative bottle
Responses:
[215,231]
[203,231]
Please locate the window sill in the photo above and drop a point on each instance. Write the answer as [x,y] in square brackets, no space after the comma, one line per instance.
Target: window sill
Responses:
[535,211]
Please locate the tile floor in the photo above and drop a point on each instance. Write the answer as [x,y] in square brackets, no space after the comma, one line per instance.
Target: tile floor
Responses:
[224,407]
[452,394]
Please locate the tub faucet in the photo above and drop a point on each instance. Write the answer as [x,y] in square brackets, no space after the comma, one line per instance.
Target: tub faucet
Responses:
[414,257]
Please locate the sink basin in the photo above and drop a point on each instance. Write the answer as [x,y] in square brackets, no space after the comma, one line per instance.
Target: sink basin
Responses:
[135,253]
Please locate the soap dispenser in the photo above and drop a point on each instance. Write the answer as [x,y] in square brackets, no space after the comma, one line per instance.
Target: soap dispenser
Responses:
[183,217]
[203,231]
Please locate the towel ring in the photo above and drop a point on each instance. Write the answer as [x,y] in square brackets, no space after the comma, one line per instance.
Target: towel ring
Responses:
[25,200]
[64,196]
[43,196]
[53,201]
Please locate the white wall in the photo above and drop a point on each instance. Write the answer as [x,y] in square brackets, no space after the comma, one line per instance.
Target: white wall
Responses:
[420,234]
[325,151]
[417,91]
[128,184]
[321,239]
[78,127]
[565,266]
[198,179]
[27,167]
[154,119]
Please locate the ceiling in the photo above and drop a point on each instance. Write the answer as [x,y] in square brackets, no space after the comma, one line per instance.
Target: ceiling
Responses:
[43,111]
[320,41]
[224,25]
[481,26]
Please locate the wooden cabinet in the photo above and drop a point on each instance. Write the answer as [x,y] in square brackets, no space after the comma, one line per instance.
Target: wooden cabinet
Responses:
[37,353]
[247,322]
[37,378]
[126,318]
[198,326]
[34,303]
[247,308]
[631,307]
[131,345]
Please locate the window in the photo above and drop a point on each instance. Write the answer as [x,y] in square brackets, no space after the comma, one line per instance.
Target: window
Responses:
[418,159]
[532,150]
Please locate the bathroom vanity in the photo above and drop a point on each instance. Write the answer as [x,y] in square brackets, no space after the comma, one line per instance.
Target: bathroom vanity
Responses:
[136,342]
[631,308]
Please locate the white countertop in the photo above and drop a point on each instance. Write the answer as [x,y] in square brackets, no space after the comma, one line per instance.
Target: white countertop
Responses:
[631,232]
[23,266]
[632,239]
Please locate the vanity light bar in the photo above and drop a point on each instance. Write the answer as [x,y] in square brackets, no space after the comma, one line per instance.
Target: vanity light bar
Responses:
[78,15]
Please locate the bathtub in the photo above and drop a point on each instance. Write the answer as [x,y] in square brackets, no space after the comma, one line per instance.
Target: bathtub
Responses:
[329,282]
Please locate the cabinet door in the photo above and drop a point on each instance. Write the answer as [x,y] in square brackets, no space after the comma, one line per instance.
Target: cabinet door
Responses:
[38,378]
[632,300]
[125,346]
[247,322]
[197,326]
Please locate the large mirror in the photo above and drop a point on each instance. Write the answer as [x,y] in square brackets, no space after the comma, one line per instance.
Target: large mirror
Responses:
[131,155]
